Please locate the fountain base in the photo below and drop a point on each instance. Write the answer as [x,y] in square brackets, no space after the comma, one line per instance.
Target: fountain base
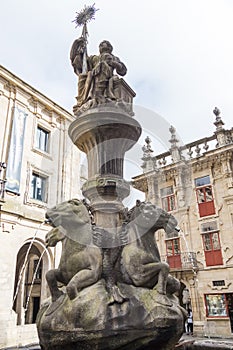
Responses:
[91,321]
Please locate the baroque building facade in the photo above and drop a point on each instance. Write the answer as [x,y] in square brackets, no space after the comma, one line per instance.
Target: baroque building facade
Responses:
[38,169]
[194,182]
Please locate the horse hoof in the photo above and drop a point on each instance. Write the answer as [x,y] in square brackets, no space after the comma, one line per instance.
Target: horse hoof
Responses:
[71,292]
[55,305]
[116,296]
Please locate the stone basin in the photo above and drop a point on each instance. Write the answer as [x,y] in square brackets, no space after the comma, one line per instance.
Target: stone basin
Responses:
[90,322]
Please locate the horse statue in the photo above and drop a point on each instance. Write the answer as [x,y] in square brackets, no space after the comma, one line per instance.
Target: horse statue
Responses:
[140,259]
[81,262]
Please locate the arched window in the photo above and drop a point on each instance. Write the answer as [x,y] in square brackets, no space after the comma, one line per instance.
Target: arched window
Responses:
[30,286]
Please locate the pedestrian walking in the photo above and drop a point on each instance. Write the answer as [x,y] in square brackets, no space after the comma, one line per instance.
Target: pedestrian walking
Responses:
[190,322]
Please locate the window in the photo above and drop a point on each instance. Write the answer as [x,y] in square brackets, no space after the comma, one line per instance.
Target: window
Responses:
[168,198]
[202,181]
[173,252]
[42,139]
[204,196]
[211,243]
[38,187]
[216,305]
[37,270]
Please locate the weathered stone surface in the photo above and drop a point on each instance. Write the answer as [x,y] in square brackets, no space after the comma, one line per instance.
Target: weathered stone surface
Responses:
[90,322]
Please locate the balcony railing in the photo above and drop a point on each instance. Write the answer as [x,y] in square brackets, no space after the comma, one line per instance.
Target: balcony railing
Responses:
[182,261]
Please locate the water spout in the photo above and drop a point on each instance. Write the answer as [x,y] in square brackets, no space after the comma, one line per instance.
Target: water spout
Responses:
[190,255]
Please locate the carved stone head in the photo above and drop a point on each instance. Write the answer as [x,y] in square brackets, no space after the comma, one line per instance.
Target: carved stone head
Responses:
[105,46]
[72,219]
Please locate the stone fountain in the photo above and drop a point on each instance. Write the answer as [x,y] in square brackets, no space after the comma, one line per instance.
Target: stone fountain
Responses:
[110,290]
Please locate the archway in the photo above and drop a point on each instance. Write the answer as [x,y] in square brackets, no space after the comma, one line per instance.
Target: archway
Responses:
[33,261]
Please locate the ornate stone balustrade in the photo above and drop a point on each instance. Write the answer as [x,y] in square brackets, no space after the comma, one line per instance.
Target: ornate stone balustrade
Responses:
[183,261]
[193,150]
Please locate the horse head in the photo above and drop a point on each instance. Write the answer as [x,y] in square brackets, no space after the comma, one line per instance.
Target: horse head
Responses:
[73,220]
[168,222]
[149,217]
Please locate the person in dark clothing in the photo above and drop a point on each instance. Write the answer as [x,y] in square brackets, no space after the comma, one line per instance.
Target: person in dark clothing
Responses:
[190,322]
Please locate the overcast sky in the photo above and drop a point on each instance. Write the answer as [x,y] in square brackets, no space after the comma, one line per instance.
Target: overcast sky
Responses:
[179,53]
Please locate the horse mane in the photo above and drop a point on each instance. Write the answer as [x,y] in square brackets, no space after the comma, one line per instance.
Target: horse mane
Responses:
[163,219]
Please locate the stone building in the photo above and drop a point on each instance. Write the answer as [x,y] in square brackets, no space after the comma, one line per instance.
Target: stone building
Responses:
[38,169]
[194,182]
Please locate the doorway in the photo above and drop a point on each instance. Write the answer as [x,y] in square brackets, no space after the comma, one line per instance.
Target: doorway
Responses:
[36,307]
[229,297]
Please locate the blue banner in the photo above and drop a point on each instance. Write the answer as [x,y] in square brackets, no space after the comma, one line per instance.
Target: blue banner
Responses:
[14,163]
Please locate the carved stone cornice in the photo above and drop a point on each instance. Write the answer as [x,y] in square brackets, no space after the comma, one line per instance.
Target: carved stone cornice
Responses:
[10,87]
[168,174]
[141,184]
[32,101]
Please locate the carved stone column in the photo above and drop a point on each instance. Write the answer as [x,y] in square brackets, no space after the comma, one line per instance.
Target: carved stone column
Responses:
[105,134]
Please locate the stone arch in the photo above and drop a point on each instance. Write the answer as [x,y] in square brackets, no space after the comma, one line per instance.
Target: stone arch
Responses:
[30,287]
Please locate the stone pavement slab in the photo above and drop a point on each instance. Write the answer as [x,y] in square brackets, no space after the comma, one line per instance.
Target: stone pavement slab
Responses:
[188,342]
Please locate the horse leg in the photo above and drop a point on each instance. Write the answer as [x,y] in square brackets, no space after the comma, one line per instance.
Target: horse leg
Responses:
[82,279]
[140,267]
[90,271]
[162,278]
[151,274]
[161,286]
[52,277]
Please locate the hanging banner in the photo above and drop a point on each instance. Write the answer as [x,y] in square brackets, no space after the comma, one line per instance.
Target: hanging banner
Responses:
[14,162]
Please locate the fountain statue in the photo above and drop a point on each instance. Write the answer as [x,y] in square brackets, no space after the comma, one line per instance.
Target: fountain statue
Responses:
[111,290]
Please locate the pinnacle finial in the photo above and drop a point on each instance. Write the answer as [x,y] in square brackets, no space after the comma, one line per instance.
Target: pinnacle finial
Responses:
[175,150]
[149,161]
[172,130]
[174,140]
[218,121]
[216,111]
[148,141]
